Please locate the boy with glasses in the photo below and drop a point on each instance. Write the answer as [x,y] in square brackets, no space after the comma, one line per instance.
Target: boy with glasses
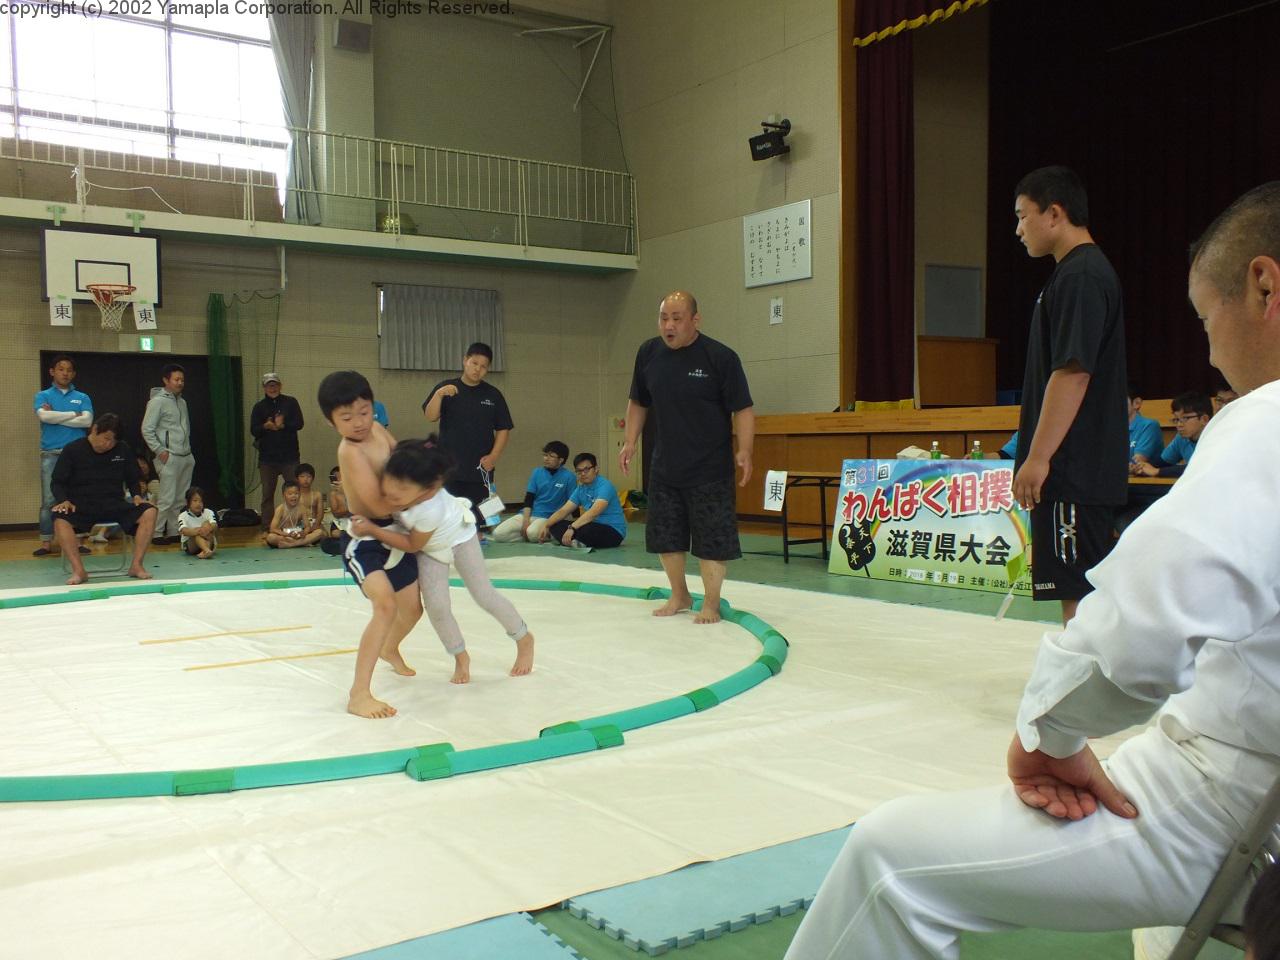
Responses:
[600,521]
[1191,413]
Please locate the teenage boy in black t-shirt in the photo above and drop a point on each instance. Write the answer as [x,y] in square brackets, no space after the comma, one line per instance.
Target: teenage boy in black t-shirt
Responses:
[698,393]
[1073,441]
[474,425]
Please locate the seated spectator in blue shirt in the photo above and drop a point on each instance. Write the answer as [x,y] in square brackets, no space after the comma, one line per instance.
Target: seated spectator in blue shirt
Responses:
[548,488]
[601,522]
[1145,437]
[1191,413]
[1010,450]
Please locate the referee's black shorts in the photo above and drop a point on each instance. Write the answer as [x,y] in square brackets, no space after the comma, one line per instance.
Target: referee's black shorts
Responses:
[120,511]
[702,520]
[1067,540]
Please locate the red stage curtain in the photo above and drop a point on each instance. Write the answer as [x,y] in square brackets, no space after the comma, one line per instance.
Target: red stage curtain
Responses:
[886,191]
[885,221]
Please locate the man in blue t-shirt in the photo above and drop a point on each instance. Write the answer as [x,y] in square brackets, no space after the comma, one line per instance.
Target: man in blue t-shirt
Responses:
[65,415]
[600,521]
[1145,438]
[548,489]
[1191,413]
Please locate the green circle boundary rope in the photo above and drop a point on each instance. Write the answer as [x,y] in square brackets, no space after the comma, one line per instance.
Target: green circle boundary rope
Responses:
[433,761]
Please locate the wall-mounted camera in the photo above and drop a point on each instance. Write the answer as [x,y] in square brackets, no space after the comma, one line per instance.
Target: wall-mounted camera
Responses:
[772,142]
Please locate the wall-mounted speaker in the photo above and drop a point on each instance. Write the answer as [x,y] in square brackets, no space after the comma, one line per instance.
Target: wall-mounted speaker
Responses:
[352,35]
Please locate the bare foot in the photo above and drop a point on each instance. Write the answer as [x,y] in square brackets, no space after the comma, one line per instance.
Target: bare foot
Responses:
[710,613]
[139,572]
[674,605]
[76,579]
[204,554]
[461,668]
[397,663]
[524,656]
[368,706]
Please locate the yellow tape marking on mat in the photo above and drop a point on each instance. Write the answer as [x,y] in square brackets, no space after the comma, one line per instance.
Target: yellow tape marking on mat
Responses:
[226,633]
[296,656]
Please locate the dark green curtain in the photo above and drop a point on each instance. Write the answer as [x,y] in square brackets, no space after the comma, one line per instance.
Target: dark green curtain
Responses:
[225,390]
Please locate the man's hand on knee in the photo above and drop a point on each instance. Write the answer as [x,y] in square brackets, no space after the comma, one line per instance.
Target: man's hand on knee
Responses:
[1069,788]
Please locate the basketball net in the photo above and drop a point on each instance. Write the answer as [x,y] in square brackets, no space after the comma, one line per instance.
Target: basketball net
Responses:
[111,298]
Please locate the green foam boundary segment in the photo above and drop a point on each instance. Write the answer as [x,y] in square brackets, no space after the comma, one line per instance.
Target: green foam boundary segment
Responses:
[643,716]
[167,589]
[433,761]
[438,764]
[740,682]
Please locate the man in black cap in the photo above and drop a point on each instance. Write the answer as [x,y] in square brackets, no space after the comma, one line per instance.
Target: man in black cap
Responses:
[274,423]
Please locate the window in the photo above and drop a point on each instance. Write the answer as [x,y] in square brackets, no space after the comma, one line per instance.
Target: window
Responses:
[178,86]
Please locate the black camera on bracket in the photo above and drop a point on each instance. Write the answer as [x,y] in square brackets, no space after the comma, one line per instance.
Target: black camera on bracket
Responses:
[771,143]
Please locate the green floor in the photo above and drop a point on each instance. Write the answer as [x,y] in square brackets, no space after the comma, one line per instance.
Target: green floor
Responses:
[769,941]
[761,563]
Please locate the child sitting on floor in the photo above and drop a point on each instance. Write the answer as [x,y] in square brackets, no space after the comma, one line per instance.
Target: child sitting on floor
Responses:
[289,524]
[311,500]
[197,526]
[442,528]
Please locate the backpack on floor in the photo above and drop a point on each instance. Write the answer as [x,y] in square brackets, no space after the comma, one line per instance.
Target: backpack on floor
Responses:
[238,517]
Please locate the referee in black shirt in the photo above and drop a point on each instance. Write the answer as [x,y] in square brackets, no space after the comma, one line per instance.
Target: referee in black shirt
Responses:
[698,393]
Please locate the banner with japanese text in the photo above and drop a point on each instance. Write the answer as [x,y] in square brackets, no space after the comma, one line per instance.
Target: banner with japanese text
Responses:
[951,523]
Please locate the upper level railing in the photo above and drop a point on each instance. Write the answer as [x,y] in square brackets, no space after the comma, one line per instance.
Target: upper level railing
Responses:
[394,177]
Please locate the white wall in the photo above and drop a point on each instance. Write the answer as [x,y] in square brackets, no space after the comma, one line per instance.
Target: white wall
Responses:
[694,81]
[951,76]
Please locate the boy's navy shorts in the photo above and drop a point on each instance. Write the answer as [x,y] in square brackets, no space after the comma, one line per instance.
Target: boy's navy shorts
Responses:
[363,557]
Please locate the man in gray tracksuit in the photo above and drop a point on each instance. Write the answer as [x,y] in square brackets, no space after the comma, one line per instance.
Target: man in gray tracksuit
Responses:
[166,428]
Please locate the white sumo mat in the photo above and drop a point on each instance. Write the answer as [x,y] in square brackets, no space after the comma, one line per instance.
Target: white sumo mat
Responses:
[875,700]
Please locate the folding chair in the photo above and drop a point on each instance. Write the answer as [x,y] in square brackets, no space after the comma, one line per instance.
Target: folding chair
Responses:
[1231,880]
[125,555]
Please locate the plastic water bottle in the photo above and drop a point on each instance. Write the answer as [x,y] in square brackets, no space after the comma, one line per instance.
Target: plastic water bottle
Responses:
[935,453]
[976,453]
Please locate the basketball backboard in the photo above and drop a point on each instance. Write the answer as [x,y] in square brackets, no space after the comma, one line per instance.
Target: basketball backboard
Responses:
[72,259]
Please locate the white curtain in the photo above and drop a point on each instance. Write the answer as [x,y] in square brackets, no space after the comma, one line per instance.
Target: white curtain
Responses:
[430,328]
[293,41]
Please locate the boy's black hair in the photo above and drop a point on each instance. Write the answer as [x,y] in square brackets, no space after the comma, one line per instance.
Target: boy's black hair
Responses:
[57,358]
[1193,402]
[333,474]
[589,457]
[1061,185]
[192,492]
[1262,916]
[481,348]
[305,468]
[557,447]
[423,462]
[341,389]
[169,369]
[1133,390]
[290,483]
[107,423]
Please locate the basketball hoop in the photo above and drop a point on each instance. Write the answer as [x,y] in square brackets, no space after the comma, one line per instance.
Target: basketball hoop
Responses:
[111,298]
